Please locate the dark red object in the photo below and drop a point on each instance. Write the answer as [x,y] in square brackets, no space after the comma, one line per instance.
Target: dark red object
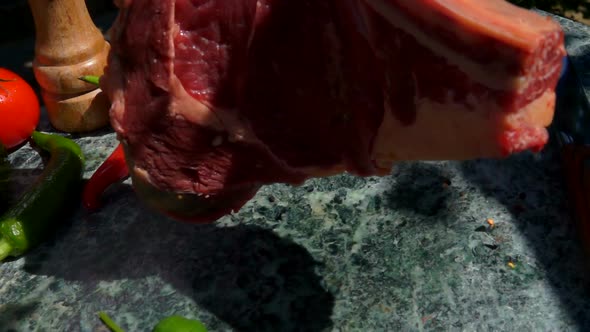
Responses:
[576,164]
[112,170]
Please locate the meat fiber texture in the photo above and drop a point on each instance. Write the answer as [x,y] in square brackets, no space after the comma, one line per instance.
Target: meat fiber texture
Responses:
[214,98]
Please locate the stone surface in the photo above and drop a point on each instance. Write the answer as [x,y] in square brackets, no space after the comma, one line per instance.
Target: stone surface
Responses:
[407,252]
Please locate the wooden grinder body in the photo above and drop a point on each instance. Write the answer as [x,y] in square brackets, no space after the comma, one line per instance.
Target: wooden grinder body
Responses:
[68,45]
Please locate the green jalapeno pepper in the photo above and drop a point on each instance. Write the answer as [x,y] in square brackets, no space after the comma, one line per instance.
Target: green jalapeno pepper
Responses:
[177,323]
[174,323]
[39,210]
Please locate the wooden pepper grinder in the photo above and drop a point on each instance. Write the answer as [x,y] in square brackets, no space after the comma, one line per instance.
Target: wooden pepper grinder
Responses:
[68,45]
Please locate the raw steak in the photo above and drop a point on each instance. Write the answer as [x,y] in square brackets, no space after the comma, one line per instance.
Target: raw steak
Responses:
[214,98]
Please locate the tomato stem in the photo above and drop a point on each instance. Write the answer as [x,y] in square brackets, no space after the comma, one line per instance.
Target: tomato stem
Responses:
[3,80]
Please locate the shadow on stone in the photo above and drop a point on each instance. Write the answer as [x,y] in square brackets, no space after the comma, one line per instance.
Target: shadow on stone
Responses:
[415,190]
[538,205]
[11,314]
[246,276]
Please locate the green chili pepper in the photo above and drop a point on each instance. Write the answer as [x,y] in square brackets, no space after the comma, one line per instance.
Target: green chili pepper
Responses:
[177,323]
[36,213]
[4,180]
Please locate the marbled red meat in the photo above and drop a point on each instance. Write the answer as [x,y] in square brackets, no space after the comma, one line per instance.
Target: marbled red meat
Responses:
[214,98]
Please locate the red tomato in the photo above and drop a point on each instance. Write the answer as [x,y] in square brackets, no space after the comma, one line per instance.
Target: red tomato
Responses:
[19,109]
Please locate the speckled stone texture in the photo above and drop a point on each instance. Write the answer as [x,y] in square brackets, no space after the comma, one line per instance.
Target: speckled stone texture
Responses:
[578,48]
[407,252]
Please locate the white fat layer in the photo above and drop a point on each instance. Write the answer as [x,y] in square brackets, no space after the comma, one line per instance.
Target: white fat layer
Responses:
[451,131]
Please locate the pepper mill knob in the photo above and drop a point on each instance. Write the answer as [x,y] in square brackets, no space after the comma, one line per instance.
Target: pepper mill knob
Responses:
[68,45]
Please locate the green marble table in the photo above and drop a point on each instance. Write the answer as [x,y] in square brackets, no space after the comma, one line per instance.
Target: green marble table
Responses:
[408,252]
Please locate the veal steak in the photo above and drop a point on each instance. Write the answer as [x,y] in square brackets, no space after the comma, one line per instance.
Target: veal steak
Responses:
[214,98]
